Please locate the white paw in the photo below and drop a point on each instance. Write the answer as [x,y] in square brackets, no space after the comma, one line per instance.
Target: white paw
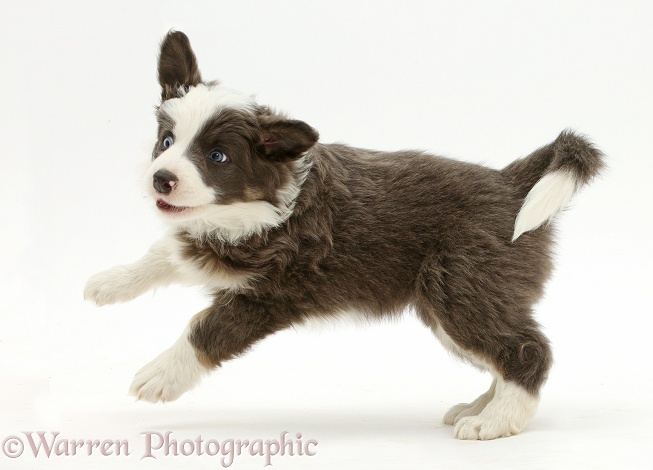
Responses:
[172,373]
[507,414]
[113,285]
[459,411]
[462,410]
[484,428]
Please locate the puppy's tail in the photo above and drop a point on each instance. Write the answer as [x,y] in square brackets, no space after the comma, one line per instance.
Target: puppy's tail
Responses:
[549,177]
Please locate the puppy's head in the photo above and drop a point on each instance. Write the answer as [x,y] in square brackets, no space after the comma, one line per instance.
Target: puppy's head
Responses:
[223,166]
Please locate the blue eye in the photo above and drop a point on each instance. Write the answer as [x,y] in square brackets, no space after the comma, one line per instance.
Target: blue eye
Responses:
[218,156]
[167,142]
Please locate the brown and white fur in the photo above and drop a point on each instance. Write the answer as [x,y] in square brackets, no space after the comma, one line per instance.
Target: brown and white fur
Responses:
[283,229]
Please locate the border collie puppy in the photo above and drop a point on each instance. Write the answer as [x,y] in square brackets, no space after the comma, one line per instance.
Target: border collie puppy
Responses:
[282,229]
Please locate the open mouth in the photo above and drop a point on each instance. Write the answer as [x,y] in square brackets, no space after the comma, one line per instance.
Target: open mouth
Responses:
[169,208]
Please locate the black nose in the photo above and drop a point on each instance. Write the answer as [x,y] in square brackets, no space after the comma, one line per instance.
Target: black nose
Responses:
[164,181]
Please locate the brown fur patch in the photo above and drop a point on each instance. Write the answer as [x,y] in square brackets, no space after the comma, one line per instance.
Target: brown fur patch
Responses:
[196,322]
[378,232]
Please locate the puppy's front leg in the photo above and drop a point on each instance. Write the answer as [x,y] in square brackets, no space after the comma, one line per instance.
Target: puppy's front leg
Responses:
[126,282]
[172,373]
[225,330]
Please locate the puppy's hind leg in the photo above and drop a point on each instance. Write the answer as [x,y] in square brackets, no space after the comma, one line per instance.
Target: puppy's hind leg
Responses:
[512,399]
[492,331]
[461,410]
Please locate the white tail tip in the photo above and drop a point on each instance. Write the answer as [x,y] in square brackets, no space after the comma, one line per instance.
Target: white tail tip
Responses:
[549,196]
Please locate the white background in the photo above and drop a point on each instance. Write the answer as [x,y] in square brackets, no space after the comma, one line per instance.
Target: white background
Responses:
[481,81]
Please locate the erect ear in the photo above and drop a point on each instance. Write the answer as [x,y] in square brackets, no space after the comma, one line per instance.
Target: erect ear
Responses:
[177,65]
[285,139]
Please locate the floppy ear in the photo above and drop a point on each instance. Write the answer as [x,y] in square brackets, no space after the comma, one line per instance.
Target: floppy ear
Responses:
[177,65]
[285,139]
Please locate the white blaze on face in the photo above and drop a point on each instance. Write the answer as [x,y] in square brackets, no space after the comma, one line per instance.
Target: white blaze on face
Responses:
[190,113]
[201,103]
